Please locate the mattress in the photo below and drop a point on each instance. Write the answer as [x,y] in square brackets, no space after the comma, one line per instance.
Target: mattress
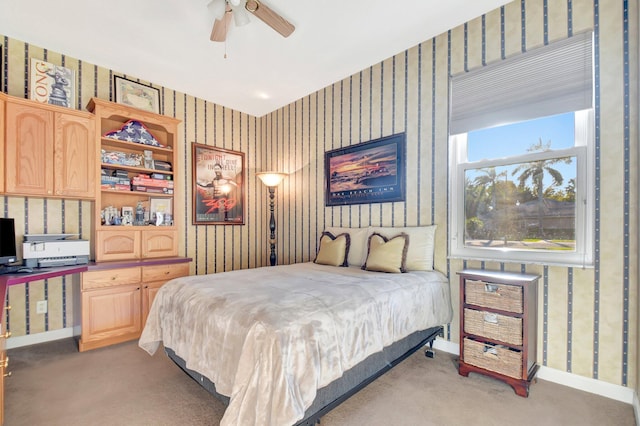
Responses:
[270,337]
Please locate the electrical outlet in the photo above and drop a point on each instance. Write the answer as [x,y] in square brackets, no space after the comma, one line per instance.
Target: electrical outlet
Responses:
[41,307]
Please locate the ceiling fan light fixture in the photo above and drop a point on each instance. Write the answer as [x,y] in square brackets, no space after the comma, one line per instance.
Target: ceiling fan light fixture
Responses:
[235,3]
[217,8]
[240,15]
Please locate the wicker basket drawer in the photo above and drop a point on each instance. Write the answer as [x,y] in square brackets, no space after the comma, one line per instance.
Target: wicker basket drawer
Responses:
[493,357]
[494,326]
[497,296]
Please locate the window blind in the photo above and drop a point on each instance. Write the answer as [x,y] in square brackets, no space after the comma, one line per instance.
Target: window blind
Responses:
[548,80]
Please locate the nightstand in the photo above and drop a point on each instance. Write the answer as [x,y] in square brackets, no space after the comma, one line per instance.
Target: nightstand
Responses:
[498,332]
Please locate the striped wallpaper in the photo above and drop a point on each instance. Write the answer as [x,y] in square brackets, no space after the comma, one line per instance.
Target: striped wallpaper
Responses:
[587,317]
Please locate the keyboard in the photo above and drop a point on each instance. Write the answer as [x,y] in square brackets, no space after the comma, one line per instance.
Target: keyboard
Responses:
[10,269]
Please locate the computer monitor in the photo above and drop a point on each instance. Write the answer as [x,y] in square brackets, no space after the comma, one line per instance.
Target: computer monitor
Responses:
[7,241]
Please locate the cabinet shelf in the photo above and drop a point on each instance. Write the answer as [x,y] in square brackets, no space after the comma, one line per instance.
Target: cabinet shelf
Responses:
[143,170]
[137,193]
[135,146]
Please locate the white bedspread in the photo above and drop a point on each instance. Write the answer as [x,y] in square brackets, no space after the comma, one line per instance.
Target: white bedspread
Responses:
[270,337]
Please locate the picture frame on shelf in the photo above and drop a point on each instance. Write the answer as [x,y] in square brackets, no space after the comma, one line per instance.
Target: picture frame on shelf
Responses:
[161,212]
[135,94]
[52,84]
[127,215]
[369,172]
[218,186]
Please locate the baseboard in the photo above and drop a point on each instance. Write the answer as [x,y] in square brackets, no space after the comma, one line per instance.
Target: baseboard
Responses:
[598,387]
[47,336]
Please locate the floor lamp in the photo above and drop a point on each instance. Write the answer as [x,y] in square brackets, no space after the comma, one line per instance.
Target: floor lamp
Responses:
[271,180]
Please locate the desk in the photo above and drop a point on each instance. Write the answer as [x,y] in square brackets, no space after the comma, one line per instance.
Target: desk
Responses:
[23,278]
[37,274]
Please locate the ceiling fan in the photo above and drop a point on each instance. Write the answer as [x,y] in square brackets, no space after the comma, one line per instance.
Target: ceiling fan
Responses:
[223,10]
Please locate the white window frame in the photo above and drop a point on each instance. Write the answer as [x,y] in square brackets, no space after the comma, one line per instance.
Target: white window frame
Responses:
[583,151]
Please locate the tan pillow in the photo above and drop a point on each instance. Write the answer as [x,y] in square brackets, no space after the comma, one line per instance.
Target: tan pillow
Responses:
[358,247]
[333,250]
[420,251]
[387,255]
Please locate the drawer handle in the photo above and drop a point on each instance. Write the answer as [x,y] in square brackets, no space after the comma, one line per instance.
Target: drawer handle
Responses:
[491,288]
[490,350]
[490,318]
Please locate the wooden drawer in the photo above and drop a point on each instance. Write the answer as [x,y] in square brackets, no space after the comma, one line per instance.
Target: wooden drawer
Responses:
[497,296]
[494,326]
[164,272]
[110,278]
[495,358]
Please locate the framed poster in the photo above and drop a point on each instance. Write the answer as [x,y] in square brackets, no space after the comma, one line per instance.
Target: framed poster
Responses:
[52,84]
[218,186]
[137,95]
[369,172]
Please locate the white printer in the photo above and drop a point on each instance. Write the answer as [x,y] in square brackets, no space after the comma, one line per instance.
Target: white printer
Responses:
[46,250]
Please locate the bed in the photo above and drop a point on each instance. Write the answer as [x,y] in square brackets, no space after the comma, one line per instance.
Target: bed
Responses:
[283,345]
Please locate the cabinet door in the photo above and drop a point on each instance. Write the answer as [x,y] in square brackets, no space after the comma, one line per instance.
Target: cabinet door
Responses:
[149,291]
[110,315]
[162,243]
[119,244]
[155,277]
[29,150]
[74,156]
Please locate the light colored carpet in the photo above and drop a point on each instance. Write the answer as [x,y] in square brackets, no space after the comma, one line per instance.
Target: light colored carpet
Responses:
[53,384]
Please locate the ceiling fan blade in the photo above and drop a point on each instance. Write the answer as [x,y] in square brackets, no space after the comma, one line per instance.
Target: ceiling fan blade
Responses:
[221,26]
[269,17]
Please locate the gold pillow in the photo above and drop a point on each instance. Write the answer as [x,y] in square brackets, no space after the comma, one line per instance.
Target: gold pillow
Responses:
[387,255]
[333,250]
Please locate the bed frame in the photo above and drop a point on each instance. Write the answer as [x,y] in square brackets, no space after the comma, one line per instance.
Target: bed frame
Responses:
[351,381]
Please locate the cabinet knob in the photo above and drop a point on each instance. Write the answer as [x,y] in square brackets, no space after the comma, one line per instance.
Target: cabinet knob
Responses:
[4,363]
[8,374]
[5,335]
[7,308]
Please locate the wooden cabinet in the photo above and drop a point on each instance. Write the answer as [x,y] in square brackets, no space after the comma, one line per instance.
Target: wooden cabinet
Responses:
[498,312]
[125,159]
[154,277]
[122,243]
[49,150]
[116,302]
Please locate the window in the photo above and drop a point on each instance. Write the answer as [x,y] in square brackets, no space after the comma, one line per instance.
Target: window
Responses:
[522,191]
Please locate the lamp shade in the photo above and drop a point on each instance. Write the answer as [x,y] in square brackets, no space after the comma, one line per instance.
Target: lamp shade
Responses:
[271,178]
[217,8]
[240,14]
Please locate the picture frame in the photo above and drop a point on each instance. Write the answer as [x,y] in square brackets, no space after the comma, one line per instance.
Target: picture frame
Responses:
[369,172]
[161,212]
[137,95]
[218,185]
[127,215]
[52,84]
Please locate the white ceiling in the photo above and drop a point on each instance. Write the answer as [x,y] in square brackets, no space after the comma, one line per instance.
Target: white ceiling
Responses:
[167,42]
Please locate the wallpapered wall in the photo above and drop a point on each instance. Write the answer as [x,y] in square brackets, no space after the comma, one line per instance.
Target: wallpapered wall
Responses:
[586,316]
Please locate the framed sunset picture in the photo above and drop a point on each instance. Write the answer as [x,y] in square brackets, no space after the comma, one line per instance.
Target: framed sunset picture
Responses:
[369,172]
